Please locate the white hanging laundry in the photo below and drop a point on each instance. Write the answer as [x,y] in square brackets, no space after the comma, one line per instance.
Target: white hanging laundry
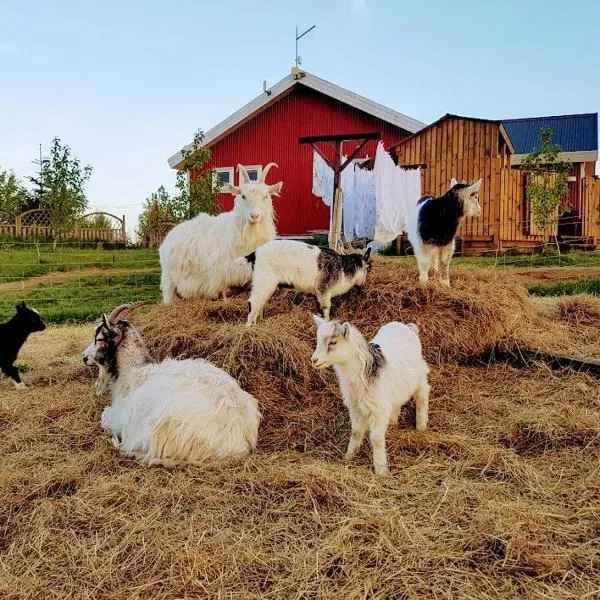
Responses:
[322,179]
[397,192]
[365,214]
[348,200]
[410,191]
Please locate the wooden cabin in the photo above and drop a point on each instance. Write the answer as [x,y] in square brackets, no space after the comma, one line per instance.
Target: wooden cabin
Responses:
[468,149]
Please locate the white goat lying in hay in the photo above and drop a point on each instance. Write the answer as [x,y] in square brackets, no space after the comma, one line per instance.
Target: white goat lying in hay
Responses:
[197,256]
[306,268]
[433,226]
[376,379]
[170,413]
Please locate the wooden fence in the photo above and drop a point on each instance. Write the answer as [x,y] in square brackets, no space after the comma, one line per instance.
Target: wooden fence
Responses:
[37,224]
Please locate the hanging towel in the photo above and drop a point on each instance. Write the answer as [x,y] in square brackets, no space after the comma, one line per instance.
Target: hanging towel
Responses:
[322,179]
[365,205]
[348,200]
[396,191]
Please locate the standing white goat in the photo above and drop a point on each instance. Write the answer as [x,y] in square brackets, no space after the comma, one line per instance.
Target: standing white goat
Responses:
[308,269]
[376,378]
[433,226]
[197,256]
[174,412]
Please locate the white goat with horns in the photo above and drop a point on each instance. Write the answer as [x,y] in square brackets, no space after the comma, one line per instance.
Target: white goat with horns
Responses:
[172,413]
[197,257]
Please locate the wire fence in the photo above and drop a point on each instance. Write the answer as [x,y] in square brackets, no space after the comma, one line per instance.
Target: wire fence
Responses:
[77,282]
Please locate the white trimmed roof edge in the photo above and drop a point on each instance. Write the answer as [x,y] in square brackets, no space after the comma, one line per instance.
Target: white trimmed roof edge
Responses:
[320,85]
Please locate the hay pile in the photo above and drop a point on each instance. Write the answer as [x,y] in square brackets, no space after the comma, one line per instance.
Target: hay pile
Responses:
[498,499]
[272,360]
[564,325]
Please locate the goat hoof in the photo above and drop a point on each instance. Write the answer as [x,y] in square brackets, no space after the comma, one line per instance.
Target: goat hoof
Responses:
[20,386]
[382,472]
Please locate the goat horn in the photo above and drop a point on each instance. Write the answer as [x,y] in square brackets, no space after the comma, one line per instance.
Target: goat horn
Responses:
[117,312]
[263,175]
[244,173]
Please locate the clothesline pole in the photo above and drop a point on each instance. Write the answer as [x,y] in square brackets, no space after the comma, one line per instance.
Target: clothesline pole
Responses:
[336,221]
[337,206]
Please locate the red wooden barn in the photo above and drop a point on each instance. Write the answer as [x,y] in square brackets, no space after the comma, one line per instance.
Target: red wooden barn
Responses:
[267,130]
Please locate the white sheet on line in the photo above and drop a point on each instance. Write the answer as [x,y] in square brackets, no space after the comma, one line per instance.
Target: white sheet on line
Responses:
[397,191]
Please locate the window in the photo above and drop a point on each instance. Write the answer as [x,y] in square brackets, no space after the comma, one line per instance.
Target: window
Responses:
[224,175]
[254,172]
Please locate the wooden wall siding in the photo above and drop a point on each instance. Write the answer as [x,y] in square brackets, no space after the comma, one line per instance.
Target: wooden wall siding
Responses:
[468,150]
[590,208]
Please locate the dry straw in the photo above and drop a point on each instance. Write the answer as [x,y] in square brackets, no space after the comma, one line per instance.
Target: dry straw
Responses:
[498,499]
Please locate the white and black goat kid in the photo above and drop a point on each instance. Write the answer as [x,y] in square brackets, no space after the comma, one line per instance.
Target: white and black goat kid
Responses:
[197,256]
[433,226]
[376,379]
[13,335]
[306,268]
[171,413]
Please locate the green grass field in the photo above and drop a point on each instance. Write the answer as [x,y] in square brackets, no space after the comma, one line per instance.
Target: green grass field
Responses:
[585,285]
[16,264]
[83,298]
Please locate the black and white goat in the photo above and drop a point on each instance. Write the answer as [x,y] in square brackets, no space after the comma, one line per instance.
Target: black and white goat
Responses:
[376,378]
[306,268]
[433,226]
[13,335]
[171,413]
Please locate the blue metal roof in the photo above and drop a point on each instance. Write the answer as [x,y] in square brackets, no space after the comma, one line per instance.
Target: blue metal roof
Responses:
[573,133]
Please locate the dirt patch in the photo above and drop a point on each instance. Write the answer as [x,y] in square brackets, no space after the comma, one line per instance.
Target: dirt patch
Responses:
[551,274]
[62,277]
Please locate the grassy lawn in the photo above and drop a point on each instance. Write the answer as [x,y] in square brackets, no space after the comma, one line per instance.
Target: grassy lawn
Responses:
[572,259]
[585,285]
[17,263]
[83,300]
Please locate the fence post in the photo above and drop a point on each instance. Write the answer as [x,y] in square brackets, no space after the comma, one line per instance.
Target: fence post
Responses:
[18,226]
[123,230]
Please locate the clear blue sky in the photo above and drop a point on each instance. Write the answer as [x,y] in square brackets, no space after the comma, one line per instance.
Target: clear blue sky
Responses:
[126,84]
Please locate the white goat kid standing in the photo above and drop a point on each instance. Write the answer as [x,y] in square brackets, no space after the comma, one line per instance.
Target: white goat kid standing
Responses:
[376,379]
[174,412]
[433,226]
[197,256]
[306,268]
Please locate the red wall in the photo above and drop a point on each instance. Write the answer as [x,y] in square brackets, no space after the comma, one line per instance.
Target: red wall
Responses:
[272,136]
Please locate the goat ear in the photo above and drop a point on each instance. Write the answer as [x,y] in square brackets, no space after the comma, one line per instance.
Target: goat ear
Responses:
[453,182]
[21,306]
[275,188]
[346,330]
[232,189]
[318,321]
[367,254]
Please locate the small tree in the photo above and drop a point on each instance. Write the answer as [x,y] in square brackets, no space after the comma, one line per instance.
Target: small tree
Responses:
[547,182]
[198,187]
[64,180]
[13,197]
[160,206]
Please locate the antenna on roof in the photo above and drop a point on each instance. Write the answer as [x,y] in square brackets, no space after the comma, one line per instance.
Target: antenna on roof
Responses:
[265,90]
[299,58]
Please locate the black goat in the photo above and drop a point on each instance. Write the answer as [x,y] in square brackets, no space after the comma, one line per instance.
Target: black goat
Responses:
[13,334]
